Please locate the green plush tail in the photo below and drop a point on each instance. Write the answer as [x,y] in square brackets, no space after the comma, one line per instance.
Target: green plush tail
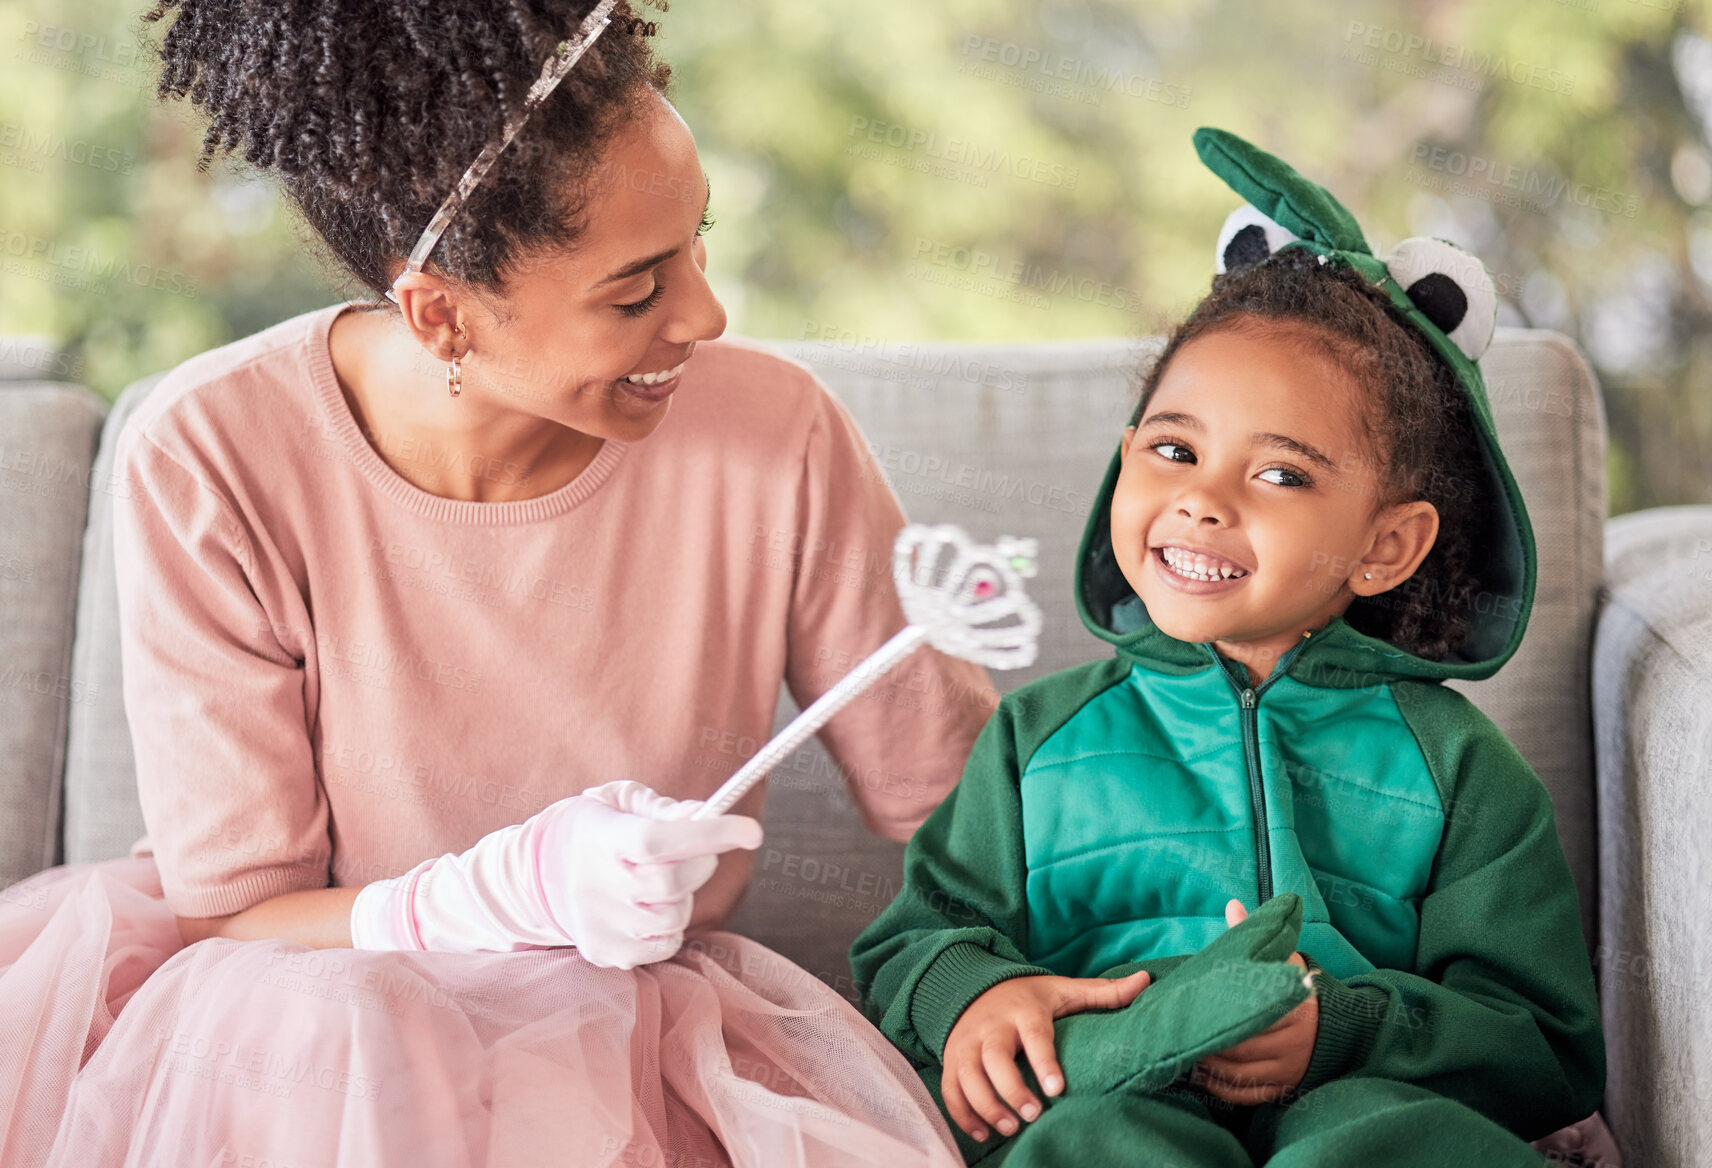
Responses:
[1236,987]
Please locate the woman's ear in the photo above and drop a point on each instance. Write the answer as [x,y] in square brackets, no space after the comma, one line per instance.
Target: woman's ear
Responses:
[1404,535]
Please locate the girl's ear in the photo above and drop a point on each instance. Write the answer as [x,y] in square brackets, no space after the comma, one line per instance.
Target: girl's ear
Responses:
[1247,238]
[1451,288]
[1123,451]
[1405,537]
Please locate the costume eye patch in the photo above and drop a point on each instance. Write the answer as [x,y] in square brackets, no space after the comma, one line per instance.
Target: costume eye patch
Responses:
[1248,237]
[1450,287]
[1438,296]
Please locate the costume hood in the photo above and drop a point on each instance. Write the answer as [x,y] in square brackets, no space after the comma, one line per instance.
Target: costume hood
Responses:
[1447,295]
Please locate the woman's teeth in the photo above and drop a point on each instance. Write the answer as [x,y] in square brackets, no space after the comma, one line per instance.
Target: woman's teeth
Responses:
[662,376]
[1196,566]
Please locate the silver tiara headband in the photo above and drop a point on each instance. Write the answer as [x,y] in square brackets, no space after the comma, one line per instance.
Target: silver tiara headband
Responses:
[559,64]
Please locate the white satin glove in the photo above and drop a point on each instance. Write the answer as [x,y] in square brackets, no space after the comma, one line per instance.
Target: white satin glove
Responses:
[612,871]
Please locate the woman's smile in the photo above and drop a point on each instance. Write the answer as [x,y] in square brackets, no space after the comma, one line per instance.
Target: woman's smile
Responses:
[652,387]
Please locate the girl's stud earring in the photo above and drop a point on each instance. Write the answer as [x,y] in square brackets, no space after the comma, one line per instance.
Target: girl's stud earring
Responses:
[1367,575]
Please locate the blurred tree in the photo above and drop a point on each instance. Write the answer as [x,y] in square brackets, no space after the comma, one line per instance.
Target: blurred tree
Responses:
[987,169]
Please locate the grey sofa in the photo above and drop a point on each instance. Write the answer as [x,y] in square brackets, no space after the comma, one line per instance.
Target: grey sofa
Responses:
[1610,696]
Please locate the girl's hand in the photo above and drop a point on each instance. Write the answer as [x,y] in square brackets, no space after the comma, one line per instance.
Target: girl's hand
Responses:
[1262,1068]
[980,1054]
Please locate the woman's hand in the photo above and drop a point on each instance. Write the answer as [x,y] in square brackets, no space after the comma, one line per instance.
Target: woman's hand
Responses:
[621,875]
[612,871]
[980,1054]
[1262,1068]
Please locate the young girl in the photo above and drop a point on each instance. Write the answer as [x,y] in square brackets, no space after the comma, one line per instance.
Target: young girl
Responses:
[1308,525]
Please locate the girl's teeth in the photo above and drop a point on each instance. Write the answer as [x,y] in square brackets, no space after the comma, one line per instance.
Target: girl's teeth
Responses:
[655,378]
[1196,566]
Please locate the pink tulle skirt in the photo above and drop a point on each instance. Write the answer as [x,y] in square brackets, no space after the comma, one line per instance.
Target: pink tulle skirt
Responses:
[119,1046]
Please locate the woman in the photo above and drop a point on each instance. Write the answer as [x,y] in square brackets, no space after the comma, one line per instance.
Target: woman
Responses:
[437,620]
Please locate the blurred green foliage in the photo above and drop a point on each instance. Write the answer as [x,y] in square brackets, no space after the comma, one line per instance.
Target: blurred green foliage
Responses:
[986,169]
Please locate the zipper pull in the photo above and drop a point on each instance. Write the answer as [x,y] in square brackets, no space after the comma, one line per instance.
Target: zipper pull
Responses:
[1248,699]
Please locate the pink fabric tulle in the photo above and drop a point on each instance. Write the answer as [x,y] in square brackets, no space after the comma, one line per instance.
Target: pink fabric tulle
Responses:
[118,1046]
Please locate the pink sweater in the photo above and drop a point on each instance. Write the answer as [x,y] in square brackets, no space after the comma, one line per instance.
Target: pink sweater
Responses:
[331,674]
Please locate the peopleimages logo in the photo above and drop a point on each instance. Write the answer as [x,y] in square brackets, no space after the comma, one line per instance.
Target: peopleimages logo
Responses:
[15,246]
[1459,173]
[1363,42]
[1073,71]
[79,43]
[963,152]
[898,461]
[14,137]
[1032,277]
[890,360]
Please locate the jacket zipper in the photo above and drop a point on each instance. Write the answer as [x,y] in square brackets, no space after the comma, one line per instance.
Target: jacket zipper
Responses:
[1249,697]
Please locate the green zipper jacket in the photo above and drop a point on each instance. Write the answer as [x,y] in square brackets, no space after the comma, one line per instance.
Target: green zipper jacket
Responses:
[1109,811]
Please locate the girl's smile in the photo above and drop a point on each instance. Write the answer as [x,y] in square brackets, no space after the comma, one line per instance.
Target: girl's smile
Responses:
[1197,573]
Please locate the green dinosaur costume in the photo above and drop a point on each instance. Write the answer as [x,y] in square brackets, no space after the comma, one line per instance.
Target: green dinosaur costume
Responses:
[1383,825]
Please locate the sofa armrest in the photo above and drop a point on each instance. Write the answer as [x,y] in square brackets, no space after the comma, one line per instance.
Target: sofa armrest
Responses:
[1652,711]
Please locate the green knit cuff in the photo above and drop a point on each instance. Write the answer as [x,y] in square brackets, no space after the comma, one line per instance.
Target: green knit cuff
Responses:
[960,974]
[1349,1020]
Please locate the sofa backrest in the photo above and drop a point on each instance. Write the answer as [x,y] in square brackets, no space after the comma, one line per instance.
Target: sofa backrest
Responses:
[48,437]
[1001,439]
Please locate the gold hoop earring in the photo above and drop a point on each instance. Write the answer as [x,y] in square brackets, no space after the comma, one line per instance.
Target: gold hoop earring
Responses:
[454,372]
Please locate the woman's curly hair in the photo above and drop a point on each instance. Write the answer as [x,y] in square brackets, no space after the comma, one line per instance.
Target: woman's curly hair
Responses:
[1416,426]
[370,113]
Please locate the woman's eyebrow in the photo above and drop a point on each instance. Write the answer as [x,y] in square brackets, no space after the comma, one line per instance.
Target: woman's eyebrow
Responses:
[642,265]
[636,268]
[1191,422]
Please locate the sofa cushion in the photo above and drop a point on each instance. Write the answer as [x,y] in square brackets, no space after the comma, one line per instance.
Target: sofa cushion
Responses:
[48,435]
[1652,689]
[101,820]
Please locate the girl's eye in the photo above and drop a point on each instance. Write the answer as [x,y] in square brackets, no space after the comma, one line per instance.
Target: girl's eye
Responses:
[706,223]
[639,307]
[1299,479]
[1175,451]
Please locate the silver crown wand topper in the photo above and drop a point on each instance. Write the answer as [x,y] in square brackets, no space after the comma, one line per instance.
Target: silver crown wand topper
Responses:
[963,598]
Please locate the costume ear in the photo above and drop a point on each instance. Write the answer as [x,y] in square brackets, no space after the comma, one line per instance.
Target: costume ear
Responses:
[1249,237]
[1450,287]
[1303,208]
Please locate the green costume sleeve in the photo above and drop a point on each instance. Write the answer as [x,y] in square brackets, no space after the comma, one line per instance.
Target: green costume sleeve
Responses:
[1503,1015]
[959,925]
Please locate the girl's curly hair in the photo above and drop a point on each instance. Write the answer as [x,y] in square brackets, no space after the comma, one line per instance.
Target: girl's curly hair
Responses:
[1415,423]
[369,114]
